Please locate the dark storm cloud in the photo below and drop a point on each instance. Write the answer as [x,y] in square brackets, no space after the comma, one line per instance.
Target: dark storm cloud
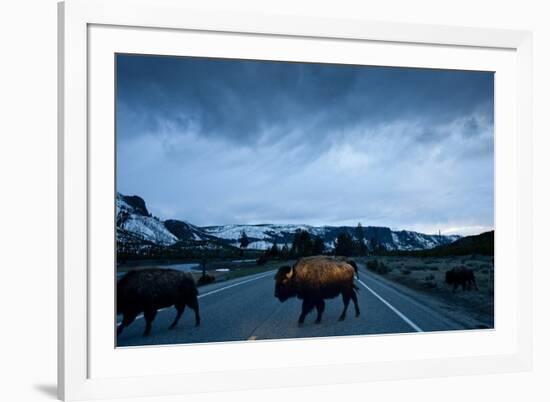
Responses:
[281,127]
[245,97]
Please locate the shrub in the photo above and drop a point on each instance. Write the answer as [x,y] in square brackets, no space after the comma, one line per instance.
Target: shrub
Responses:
[434,268]
[430,284]
[429,277]
[383,268]
[205,279]
[405,272]
[262,260]
[378,267]
[372,265]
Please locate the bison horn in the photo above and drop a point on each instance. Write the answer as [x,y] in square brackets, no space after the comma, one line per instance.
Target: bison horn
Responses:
[289,275]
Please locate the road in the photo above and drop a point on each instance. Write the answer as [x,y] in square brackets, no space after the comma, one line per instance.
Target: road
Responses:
[245,309]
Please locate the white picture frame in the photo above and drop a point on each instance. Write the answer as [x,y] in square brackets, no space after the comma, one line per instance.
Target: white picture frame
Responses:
[90,31]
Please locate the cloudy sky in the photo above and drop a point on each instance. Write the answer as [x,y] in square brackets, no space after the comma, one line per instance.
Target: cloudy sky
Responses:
[214,141]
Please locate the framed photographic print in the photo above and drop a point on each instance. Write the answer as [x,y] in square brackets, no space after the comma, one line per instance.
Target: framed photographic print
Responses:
[257,201]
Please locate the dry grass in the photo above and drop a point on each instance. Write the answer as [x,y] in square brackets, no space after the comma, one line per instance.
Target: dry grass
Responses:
[427,275]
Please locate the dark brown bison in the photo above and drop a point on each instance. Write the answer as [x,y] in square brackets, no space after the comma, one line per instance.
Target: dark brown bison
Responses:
[147,290]
[461,276]
[313,279]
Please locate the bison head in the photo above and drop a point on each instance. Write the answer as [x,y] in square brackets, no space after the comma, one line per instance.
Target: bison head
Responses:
[284,286]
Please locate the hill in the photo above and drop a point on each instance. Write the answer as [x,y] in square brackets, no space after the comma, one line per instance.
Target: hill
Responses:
[483,244]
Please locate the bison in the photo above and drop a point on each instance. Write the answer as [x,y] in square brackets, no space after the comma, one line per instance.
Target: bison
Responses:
[314,279]
[148,290]
[461,276]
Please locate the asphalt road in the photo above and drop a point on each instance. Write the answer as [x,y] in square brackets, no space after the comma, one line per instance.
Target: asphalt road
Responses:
[245,309]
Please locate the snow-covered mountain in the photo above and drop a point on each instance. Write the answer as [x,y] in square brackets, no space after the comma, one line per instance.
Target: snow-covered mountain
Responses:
[263,236]
[133,218]
[135,222]
[186,231]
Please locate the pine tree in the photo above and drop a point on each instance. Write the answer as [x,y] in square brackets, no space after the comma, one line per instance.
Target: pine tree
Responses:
[374,244]
[361,247]
[318,246]
[359,233]
[274,250]
[284,254]
[243,241]
[302,244]
[344,245]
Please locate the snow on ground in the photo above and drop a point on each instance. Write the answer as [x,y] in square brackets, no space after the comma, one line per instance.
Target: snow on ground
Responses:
[122,205]
[260,245]
[330,245]
[144,227]
[395,239]
[256,245]
[423,240]
[409,240]
[233,232]
[148,228]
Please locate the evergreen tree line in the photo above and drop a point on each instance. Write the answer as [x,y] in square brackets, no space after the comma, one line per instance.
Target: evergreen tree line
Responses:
[305,244]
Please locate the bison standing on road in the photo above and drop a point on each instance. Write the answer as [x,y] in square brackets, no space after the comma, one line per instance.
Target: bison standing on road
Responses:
[313,279]
[461,276]
[148,290]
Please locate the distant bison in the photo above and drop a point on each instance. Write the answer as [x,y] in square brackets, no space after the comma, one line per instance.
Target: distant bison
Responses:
[148,290]
[461,276]
[313,279]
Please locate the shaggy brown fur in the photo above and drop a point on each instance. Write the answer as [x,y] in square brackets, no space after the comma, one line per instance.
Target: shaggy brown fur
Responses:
[148,290]
[313,279]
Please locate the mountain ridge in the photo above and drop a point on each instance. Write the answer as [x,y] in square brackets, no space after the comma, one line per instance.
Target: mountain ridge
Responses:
[134,221]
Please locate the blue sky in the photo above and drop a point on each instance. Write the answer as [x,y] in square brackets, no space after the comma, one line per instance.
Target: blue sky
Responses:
[214,141]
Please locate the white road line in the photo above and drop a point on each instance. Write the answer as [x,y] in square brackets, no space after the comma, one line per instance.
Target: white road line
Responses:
[396,311]
[216,291]
[235,284]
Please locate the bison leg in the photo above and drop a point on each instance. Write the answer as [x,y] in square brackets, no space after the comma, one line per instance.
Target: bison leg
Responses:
[320,308]
[307,306]
[127,319]
[197,317]
[345,297]
[149,316]
[194,304]
[355,302]
[180,308]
